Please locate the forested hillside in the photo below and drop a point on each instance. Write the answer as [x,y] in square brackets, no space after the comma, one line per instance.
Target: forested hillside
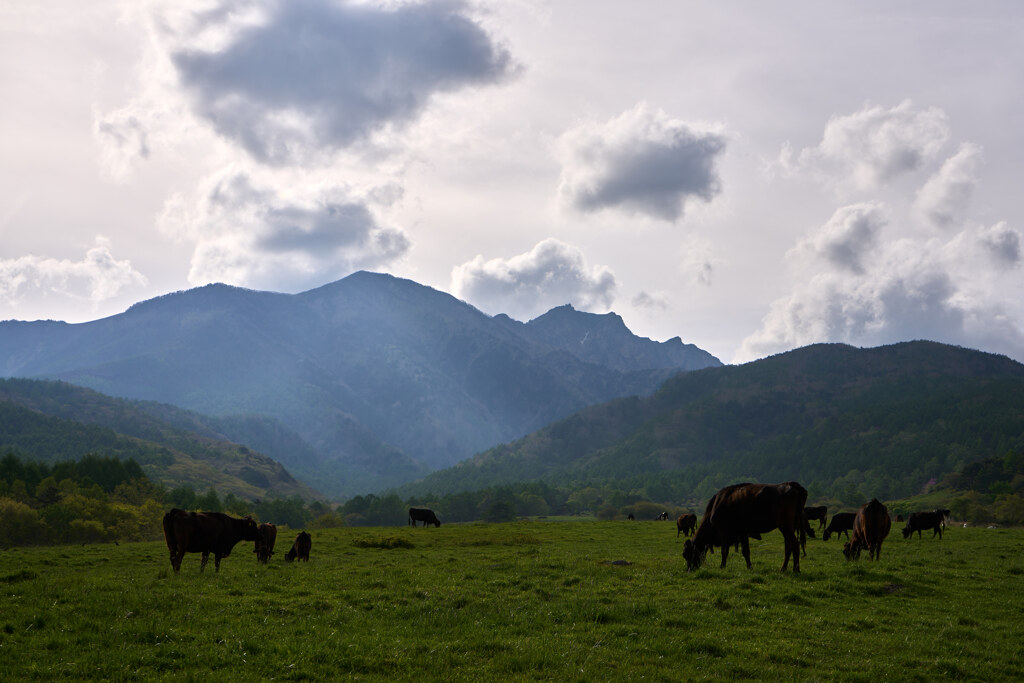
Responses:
[51,422]
[885,422]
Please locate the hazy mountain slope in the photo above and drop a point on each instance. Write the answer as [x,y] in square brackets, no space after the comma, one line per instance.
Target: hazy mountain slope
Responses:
[898,415]
[383,379]
[54,421]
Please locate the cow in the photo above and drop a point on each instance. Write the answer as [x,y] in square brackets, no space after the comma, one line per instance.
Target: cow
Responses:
[945,515]
[300,548]
[424,515]
[663,517]
[743,511]
[817,513]
[630,517]
[919,521]
[205,532]
[267,533]
[841,523]
[686,522]
[870,527]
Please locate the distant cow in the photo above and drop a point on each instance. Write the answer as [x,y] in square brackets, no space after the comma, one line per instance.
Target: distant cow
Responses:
[205,532]
[945,515]
[424,515]
[267,535]
[663,517]
[924,520]
[630,517]
[841,523]
[743,511]
[300,548]
[817,513]
[870,527]
[686,522]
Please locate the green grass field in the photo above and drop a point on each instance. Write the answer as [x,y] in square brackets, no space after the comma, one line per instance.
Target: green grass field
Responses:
[521,601]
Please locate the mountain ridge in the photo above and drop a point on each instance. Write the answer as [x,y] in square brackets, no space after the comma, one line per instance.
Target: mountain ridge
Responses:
[382,377]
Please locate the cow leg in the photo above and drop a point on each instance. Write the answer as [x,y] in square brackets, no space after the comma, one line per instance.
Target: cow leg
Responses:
[216,562]
[206,558]
[746,552]
[725,553]
[792,546]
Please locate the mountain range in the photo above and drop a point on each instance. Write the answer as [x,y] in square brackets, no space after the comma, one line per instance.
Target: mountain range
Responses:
[363,383]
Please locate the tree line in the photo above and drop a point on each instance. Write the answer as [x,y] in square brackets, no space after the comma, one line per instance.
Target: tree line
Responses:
[104,499]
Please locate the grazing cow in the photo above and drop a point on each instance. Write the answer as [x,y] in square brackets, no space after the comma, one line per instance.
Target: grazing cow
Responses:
[267,533]
[841,523]
[663,517]
[300,548]
[870,527]
[743,511]
[630,517]
[205,532]
[924,520]
[686,522]
[424,515]
[817,513]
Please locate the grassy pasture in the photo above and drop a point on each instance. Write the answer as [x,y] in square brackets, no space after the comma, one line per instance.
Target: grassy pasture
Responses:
[520,601]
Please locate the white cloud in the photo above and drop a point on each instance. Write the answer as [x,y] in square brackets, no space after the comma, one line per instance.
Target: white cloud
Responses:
[309,76]
[247,234]
[944,198]
[553,273]
[642,161]
[874,145]
[96,278]
[847,238]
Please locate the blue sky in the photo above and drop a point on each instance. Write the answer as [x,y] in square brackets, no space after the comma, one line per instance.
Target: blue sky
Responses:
[749,176]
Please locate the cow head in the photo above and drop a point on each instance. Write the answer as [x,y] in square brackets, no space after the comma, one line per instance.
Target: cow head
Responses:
[250,530]
[906,531]
[825,535]
[694,558]
[851,550]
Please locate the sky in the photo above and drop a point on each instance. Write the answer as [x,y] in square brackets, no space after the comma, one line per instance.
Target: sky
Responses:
[751,177]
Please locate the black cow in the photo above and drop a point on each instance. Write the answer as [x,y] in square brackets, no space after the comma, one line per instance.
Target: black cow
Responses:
[424,515]
[924,520]
[945,515]
[686,522]
[205,532]
[841,523]
[743,511]
[300,548]
[817,513]
[870,527]
[267,533]
[663,517]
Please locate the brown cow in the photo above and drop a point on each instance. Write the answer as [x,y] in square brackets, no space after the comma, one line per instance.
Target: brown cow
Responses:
[743,511]
[841,523]
[819,513]
[205,532]
[870,527]
[300,548]
[267,533]
[686,522]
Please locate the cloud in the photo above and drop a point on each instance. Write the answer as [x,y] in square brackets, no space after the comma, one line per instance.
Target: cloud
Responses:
[848,237]
[249,235]
[553,273]
[945,196]
[97,277]
[874,145]
[657,302]
[642,162]
[910,289]
[306,76]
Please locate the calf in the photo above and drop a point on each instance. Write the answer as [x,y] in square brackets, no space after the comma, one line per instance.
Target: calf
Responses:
[266,536]
[870,527]
[686,522]
[300,548]
[816,513]
[841,523]
[924,520]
